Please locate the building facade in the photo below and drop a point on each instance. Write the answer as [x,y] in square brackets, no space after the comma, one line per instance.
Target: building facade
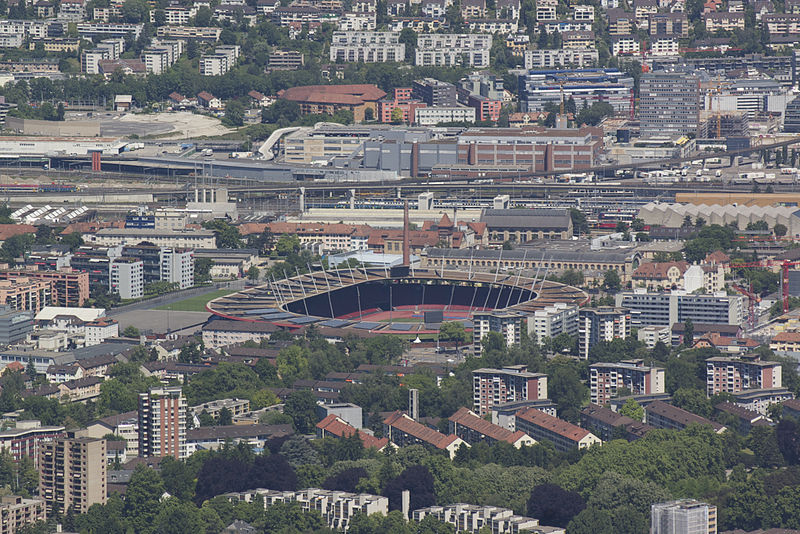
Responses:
[685,517]
[601,324]
[732,375]
[73,473]
[669,104]
[162,423]
[511,383]
[606,379]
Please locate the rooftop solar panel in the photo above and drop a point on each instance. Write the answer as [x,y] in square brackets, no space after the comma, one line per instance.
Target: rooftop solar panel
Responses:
[304,320]
[364,325]
[335,323]
[405,327]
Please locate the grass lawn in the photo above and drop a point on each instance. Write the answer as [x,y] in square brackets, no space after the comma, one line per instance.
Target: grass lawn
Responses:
[196,303]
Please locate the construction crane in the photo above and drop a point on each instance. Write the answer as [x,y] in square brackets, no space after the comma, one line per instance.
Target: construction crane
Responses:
[752,300]
[767,264]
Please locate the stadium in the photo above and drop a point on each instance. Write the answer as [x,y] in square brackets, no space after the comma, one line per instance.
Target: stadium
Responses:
[396,300]
[399,300]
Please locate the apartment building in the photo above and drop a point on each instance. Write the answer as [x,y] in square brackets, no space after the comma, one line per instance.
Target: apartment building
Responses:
[511,383]
[578,40]
[782,24]
[162,423]
[549,59]
[684,516]
[601,324]
[99,330]
[666,309]
[474,518]
[606,379]
[560,318]
[285,60]
[220,332]
[402,101]
[669,104]
[586,87]
[403,431]
[732,375]
[650,335]
[608,424]
[17,512]
[15,325]
[177,238]
[336,507]
[563,435]
[26,439]
[92,30]
[434,92]
[625,45]
[468,426]
[659,414]
[366,47]
[621,22]
[334,426]
[509,324]
[126,278]
[68,288]
[125,425]
[724,21]
[656,276]
[24,293]
[759,400]
[668,24]
[177,15]
[431,116]
[785,342]
[72,473]
[220,61]
[189,32]
[451,50]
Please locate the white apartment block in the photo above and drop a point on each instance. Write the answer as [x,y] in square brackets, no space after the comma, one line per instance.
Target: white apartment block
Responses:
[358,22]
[97,331]
[367,47]
[473,518]
[453,49]
[127,278]
[625,45]
[546,12]
[156,61]
[11,41]
[665,46]
[437,115]
[177,267]
[214,64]
[548,59]
[553,320]
[90,30]
[336,507]
[26,28]
[508,324]
[90,60]
[177,16]
[583,12]
[71,11]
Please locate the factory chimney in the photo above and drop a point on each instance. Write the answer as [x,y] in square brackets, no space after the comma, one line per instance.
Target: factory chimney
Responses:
[406,239]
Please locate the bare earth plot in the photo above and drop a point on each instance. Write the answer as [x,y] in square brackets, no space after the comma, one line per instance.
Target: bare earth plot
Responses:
[179,125]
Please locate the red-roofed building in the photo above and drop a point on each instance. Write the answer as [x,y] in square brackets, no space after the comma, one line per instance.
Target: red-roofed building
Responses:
[468,426]
[336,427]
[660,275]
[736,345]
[786,342]
[207,100]
[329,99]
[403,431]
[10,230]
[563,435]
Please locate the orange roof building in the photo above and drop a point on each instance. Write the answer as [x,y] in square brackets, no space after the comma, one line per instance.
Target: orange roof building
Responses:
[336,427]
[563,435]
[404,431]
[329,99]
[468,426]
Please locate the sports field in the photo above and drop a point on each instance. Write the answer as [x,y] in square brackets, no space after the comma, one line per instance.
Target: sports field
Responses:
[196,303]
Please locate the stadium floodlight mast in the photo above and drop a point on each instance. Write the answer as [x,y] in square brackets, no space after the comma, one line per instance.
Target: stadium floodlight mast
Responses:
[516,282]
[303,287]
[313,278]
[330,302]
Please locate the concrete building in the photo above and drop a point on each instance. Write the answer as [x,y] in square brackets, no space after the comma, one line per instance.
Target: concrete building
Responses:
[350,413]
[329,99]
[732,375]
[403,431]
[601,324]
[18,512]
[25,294]
[586,87]
[25,440]
[125,425]
[367,47]
[473,518]
[659,414]
[563,435]
[509,324]
[472,429]
[15,325]
[336,507]
[650,335]
[511,383]
[220,332]
[178,238]
[162,423]
[605,379]
[220,61]
[451,50]
[73,473]
[551,59]
[669,104]
[431,116]
[552,321]
[666,309]
[68,288]
[126,278]
[759,400]
[684,517]
[98,331]
[608,424]
[434,92]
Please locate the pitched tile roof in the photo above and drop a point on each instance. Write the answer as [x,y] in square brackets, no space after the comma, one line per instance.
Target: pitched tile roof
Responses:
[553,424]
[467,418]
[336,426]
[404,423]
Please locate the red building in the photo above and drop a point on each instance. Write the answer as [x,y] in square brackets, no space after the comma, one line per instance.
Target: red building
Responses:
[486,109]
[402,100]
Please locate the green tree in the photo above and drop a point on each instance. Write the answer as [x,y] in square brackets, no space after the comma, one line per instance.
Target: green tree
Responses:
[227,235]
[688,333]
[253,273]
[632,409]
[301,406]
[142,499]
[611,280]
[135,11]
[453,331]
[234,113]
[565,388]
[780,230]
